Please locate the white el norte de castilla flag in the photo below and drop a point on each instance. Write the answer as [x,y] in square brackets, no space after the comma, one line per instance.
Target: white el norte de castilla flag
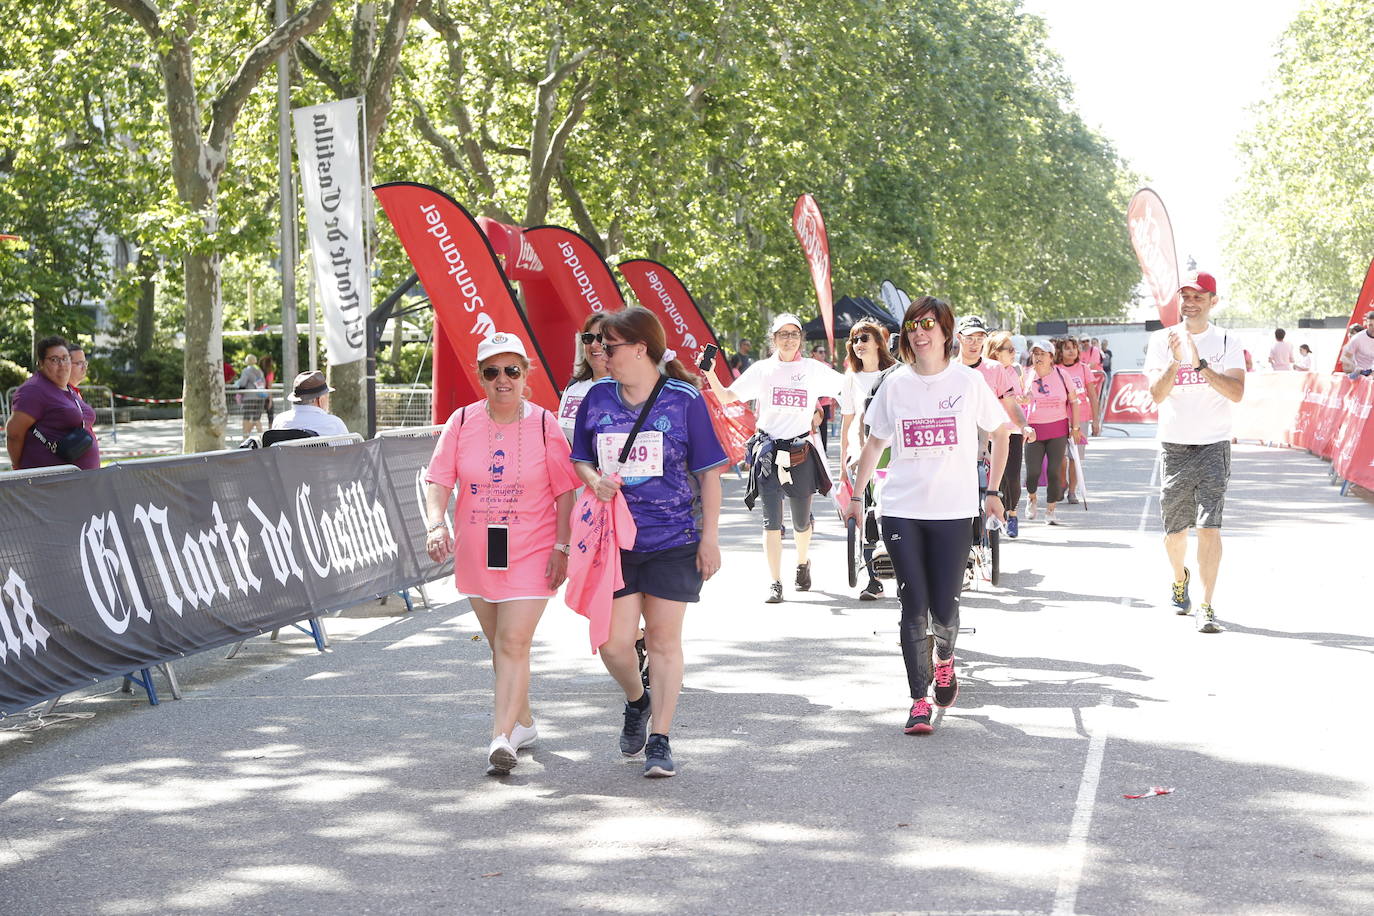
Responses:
[328,147]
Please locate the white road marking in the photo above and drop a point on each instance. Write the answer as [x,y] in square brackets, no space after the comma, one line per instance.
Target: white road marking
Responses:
[1076,848]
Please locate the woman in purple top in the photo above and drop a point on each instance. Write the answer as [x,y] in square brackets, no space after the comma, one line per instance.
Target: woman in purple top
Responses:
[673,553]
[45,406]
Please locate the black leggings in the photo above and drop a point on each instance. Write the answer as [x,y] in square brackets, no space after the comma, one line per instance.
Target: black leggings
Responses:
[929,557]
[1011,477]
[1035,454]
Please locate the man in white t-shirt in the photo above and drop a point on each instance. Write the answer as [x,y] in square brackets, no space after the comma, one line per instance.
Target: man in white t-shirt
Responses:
[787,388]
[1281,353]
[1358,355]
[310,394]
[1196,371]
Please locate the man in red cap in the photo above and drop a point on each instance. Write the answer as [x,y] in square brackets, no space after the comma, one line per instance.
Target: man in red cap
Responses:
[1196,371]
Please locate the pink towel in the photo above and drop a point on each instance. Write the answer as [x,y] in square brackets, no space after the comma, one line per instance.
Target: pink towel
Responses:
[599,532]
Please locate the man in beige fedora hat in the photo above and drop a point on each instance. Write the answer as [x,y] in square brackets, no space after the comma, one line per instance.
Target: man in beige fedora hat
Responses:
[310,394]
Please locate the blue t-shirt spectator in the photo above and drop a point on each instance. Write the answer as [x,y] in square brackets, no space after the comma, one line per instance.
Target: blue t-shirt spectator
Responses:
[677,441]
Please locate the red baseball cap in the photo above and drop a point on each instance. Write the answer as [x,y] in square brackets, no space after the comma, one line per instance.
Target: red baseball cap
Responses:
[1199,279]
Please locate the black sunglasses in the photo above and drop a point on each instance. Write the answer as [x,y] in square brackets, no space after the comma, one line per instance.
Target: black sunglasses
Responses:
[861,338]
[589,338]
[491,372]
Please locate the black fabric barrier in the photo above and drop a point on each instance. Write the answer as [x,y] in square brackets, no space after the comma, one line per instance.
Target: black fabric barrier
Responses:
[105,572]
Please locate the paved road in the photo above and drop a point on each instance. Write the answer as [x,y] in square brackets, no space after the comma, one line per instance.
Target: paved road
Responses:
[292,782]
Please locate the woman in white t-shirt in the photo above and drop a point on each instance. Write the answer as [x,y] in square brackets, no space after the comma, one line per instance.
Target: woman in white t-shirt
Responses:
[930,413]
[785,458]
[589,366]
[866,356]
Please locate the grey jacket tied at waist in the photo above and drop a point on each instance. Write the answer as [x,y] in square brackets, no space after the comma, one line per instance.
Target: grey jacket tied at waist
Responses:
[762,451]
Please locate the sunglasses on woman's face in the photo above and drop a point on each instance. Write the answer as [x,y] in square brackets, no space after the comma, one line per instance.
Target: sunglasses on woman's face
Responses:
[925,324]
[491,372]
[589,339]
[860,338]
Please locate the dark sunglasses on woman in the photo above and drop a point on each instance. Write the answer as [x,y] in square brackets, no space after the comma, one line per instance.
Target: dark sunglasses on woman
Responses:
[491,372]
[861,338]
[588,339]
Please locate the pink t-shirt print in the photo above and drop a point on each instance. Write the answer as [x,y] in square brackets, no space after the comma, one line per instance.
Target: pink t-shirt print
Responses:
[1048,396]
[512,481]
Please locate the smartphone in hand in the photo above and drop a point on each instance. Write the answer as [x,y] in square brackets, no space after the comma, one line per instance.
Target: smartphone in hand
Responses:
[708,357]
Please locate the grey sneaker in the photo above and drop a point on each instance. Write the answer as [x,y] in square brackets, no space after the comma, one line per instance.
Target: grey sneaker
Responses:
[1207,620]
[774,594]
[658,758]
[635,733]
[804,576]
[1179,595]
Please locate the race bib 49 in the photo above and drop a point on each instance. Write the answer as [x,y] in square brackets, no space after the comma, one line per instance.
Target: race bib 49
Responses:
[645,458]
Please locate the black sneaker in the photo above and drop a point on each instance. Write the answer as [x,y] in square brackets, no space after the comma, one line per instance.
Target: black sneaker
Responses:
[872,591]
[918,723]
[946,683]
[774,594]
[804,576]
[635,732]
[658,758]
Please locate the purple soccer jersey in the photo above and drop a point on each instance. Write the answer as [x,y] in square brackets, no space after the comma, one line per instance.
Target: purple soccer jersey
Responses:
[677,441]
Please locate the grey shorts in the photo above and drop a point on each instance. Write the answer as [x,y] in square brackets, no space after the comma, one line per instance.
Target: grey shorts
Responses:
[1193,486]
[772,493]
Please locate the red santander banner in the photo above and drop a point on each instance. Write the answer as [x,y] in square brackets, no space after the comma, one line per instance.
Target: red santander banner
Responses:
[1152,236]
[1129,400]
[660,291]
[1363,303]
[464,282]
[581,284]
[810,230]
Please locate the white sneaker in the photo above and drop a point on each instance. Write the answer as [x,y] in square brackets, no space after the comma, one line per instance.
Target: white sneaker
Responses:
[522,736]
[1030,511]
[500,756]
[1049,517]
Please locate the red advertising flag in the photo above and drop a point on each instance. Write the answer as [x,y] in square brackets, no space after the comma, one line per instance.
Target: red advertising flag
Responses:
[660,291]
[582,283]
[1364,302]
[458,268]
[1152,236]
[810,230]
[1130,401]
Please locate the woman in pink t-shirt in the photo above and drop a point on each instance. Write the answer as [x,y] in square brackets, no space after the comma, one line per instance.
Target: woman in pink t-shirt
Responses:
[1068,356]
[511,528]
[1051,399]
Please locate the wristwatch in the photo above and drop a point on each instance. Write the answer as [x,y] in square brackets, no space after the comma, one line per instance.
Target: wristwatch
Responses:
[564,549]
[997,493]
[1201,364]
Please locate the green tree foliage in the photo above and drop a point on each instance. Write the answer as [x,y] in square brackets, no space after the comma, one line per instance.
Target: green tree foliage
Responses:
[1301,227]
[939,138]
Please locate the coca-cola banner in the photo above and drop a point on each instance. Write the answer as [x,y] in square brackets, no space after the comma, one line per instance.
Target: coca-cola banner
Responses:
[1129,400]
[465,284]
[108,571]
[1152,236]
[1363,303]
[810,230]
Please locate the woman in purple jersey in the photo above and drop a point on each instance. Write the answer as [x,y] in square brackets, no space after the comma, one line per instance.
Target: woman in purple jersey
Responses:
[675,449]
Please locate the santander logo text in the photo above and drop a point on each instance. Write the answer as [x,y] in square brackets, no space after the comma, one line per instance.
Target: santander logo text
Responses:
[457,267]
[579,274]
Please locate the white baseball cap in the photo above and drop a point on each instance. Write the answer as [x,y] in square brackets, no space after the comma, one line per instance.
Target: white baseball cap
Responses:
[783,321]
[498,343]
[1036,343]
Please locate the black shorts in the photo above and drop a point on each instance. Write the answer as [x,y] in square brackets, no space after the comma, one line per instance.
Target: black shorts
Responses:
[670,573]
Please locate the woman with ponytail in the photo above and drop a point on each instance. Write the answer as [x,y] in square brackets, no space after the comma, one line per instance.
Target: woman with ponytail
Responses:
[671,556]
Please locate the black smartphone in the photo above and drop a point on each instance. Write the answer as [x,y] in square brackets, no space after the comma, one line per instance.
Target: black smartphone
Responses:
[708,357]
[498,547]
